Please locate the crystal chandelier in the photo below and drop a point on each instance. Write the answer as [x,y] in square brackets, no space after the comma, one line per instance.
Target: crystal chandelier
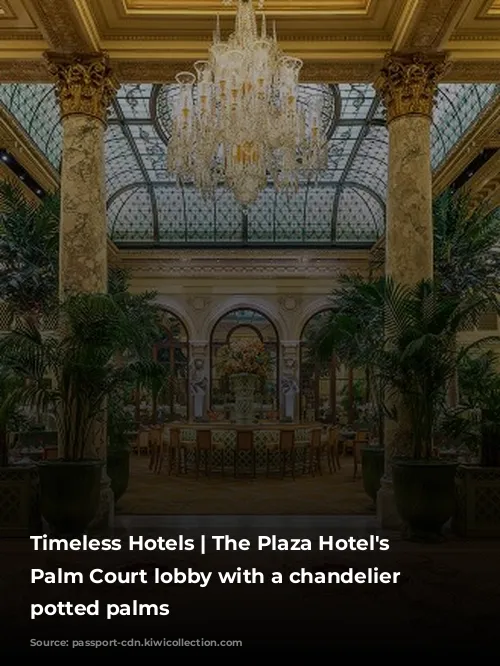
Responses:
[237,122]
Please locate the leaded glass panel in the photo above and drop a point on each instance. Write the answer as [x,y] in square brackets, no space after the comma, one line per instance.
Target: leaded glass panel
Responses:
[146,204]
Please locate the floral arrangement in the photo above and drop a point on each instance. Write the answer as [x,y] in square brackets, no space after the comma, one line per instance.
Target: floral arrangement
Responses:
[243,356]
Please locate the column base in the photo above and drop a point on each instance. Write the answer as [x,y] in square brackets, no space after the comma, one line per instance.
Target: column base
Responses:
[105,517]
[387,512]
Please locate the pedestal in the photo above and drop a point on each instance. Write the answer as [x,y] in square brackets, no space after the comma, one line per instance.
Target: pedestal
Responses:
[198,404]
[243,386]
[289,405]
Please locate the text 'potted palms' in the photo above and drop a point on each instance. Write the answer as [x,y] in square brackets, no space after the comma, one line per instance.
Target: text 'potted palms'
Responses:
[82,360]
[418,361]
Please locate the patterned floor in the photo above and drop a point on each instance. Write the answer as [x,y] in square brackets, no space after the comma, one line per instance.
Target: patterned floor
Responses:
[329,494]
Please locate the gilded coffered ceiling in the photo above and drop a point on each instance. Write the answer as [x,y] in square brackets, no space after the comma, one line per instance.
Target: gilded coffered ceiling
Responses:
[339,40]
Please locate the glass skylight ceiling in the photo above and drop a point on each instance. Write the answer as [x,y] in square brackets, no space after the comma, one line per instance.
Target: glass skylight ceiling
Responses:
[345,206]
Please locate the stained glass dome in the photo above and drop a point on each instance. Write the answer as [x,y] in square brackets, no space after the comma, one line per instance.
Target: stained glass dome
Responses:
[345,206]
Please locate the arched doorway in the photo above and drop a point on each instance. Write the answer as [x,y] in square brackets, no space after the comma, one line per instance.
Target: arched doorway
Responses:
[244,325]
[173,352]
[328,392]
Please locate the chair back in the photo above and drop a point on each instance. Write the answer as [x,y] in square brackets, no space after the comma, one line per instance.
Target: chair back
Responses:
[175,437]
[333,435]
[244,440]
[316,438]
[287,440]
[204,440]
[362,435]
[155,436]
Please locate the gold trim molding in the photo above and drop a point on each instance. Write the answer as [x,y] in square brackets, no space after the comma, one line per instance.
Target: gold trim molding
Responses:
[85,84]
[407,83]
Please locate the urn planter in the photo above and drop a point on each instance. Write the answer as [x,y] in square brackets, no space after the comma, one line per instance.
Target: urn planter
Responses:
[372,463]
[244,386]
[70,494]
[118,469]
[19,501]
[424,493]
[477,501]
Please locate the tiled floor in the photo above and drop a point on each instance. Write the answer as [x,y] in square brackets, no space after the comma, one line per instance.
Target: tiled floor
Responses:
[325,494]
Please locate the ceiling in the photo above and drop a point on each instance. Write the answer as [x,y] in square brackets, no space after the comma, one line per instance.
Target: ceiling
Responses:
[342,43]
[345,206]
[339,40]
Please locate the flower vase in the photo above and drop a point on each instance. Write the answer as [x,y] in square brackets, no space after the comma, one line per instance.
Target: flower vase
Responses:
[244,385]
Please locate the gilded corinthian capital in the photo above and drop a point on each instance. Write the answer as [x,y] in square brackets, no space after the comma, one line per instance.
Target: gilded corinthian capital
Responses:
[85,83]
[407,83]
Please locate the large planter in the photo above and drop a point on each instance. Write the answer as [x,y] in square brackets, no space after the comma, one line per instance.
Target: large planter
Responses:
[20,513]
[477,501]
[70,494]
[424,493]
[372,462]
[118,469]
[243,386]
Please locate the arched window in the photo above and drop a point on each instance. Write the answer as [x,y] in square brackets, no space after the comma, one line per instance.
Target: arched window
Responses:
[173,351]
[331,391]
[245,325]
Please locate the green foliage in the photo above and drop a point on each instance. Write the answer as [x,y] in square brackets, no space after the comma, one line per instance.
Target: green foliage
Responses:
[420,355]
[91,358]
[466,239]
[406,339]
[29,241]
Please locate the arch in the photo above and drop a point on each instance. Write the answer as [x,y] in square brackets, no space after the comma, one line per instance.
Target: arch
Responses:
[227,323]
[253,328]
[175,309]
[174,352]
[313,308]
[318,385]
[238,303]
[331,392]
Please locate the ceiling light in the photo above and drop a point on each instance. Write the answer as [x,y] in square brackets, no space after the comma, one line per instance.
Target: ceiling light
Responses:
[238,120]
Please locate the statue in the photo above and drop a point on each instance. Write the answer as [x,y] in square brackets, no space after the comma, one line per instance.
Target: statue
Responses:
[198,388]
[289,389]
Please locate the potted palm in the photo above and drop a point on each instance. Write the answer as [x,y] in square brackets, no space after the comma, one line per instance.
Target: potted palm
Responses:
[29,236]
[82,359]
[419,359]
[477,422]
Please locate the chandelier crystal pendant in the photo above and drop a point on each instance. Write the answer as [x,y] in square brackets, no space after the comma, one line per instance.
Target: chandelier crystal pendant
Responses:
[237,120]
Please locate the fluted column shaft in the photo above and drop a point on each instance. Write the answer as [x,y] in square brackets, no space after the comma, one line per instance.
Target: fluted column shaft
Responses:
[407,85]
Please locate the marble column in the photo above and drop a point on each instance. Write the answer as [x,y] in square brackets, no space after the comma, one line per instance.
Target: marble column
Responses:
[85,88]
[407,85]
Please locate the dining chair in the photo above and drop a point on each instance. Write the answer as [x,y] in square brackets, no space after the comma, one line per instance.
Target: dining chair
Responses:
[203,452]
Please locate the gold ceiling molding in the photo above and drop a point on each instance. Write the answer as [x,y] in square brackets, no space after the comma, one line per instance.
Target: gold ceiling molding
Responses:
[273,7]
[15,140]
[479,21]
[162,71]
[485,133]
[484,186]
[342,38]
[58,22]
[427,24]
[408,83]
